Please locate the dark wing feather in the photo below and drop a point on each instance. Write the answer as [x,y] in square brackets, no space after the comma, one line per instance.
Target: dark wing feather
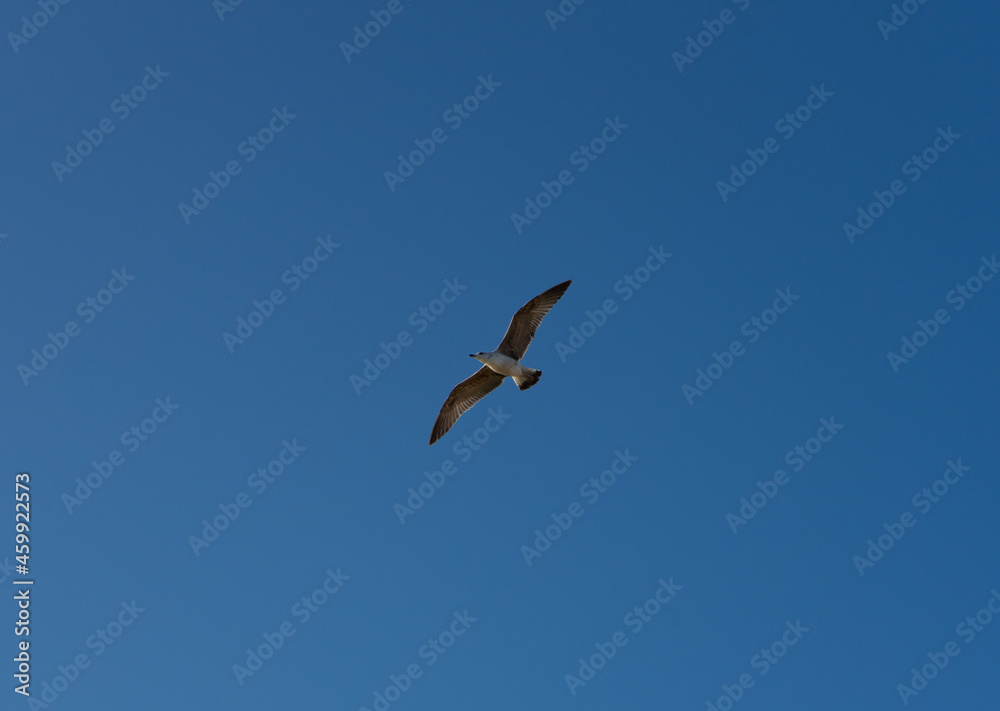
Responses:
[527,320]
[466,394]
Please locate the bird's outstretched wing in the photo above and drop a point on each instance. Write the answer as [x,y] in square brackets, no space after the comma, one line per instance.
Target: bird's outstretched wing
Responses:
[466,394]
[527,319]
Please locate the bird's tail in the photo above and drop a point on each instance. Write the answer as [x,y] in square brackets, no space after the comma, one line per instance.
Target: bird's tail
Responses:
[530,377]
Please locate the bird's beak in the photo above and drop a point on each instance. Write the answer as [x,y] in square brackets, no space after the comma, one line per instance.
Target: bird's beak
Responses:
[472,355]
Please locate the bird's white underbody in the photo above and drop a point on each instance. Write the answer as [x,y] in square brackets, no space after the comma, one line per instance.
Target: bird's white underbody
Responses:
[502,364]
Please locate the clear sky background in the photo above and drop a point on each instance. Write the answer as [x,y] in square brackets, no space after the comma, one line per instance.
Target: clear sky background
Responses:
[869,99]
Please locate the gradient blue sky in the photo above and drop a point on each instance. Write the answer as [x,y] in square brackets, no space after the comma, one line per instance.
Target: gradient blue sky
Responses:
[213,84]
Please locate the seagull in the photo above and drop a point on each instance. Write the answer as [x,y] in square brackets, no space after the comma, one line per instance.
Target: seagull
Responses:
[500,363]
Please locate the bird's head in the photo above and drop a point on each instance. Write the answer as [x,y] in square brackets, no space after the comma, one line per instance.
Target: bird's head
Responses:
[477,356]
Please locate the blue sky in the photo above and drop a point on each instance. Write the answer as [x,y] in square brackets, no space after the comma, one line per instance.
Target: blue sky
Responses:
[759,470]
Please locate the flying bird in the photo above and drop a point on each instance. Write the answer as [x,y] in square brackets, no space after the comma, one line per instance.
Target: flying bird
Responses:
[500,363]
